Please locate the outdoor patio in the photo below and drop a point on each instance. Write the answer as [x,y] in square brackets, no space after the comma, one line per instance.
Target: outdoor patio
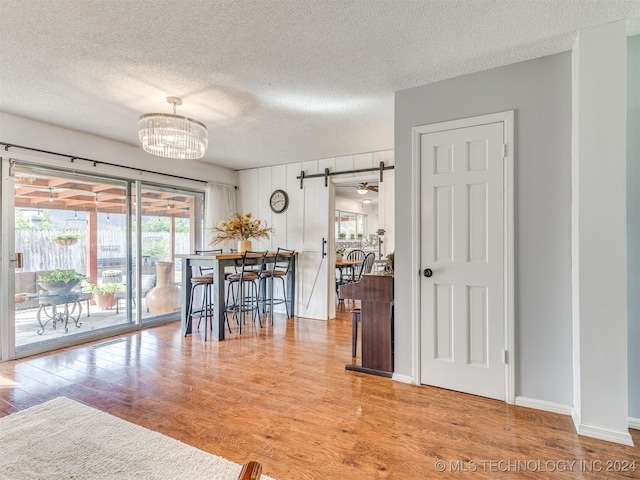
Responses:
[91,320]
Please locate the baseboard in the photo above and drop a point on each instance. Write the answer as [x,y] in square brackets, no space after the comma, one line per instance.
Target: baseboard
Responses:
[623,438]
[634,423]
[398,377]
[544,405]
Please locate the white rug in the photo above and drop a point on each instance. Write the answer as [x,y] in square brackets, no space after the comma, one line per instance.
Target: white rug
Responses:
[64,439]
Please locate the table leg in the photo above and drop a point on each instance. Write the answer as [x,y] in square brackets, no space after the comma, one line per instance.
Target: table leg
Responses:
[219,306]
[41,329]
[186,292]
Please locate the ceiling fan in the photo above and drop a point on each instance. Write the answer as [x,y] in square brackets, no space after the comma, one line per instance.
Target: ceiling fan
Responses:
[362,188]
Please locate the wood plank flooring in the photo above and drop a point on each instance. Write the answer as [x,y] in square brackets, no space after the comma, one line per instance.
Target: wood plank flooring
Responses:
[281,395]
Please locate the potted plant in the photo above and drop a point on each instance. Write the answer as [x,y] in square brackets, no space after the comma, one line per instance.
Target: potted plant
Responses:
[241,227]
[66,239]
[105,294]
[60,282]
[360,235]
[342,235]
[339,253]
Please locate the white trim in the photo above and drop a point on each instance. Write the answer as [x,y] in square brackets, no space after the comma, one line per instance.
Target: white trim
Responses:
[634,423]
[544,405]
[623,438]
[399,377]
[507,118]
[415,256]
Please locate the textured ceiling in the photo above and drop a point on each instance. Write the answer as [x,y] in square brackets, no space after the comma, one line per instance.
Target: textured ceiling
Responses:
[275,82]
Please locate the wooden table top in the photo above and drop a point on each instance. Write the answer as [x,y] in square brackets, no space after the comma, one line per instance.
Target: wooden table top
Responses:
[347,263]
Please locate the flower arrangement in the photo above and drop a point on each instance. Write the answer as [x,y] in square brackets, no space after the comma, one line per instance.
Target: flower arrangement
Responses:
[240,226]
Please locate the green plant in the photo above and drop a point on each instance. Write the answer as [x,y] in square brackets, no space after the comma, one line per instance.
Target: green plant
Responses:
[67,236]
[61,276]
[342,235]
[156,248]
[360,235]
[340,251]
[105,288]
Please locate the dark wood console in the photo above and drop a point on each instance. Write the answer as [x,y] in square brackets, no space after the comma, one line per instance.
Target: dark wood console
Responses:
[375,292]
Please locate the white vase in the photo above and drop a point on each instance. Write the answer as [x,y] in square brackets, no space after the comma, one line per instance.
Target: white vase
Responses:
[244,245]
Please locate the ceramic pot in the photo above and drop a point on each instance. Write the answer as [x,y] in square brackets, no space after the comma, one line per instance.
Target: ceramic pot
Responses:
[244,245]
[105,300]
[165,296]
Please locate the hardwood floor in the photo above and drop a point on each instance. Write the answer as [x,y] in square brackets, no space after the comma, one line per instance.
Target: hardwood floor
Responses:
[281,395]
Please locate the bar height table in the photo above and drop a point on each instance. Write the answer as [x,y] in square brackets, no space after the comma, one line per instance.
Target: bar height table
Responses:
[219,262]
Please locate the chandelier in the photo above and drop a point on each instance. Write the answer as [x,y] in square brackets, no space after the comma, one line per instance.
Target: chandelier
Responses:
[173,136]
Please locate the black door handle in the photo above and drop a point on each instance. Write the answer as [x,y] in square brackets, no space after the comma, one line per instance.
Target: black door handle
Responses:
[427,272]
[324,253]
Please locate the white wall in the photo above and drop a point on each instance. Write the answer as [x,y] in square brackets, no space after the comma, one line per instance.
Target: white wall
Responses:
[256,186]
[540,93]
[633,223]
[599,232]
[21,131]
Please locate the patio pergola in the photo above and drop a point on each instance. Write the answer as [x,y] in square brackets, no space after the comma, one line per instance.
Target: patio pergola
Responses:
[35,190]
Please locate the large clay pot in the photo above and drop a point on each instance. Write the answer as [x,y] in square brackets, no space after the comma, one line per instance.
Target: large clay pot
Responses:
[105,300]
[244,245]
[165,296]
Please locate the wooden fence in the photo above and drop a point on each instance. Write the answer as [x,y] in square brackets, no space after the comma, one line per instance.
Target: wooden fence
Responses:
[40,253]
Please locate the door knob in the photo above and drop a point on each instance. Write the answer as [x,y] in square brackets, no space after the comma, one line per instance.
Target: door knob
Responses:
[427,272]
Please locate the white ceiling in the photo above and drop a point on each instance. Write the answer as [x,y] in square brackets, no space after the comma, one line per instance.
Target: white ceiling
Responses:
[275,82]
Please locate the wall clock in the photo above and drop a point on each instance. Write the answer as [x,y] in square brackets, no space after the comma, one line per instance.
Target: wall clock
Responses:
[279,201]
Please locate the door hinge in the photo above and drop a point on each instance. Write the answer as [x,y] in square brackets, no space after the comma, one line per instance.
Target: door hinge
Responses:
[504,150]
[505,357]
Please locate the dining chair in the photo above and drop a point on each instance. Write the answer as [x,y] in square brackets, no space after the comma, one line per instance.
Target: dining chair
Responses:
[354,271]
[204,279]
[279,270]
[242,290]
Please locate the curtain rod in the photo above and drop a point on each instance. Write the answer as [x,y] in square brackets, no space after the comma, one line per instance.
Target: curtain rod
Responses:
[73,158]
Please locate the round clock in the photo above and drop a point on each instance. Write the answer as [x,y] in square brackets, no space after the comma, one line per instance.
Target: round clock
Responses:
[279,201]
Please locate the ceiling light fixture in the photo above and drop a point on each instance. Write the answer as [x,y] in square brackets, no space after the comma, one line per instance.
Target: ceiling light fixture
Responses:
[362,189]
[173,136]
[366,200]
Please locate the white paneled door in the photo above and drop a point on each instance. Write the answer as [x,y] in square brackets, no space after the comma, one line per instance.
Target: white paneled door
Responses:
[462,260]
[314,267]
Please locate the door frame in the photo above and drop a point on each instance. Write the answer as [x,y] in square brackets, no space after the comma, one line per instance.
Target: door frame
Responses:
[507,118]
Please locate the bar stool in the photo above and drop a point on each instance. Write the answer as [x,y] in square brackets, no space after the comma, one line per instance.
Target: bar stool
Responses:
[204,279]
[279,270]
[242,291]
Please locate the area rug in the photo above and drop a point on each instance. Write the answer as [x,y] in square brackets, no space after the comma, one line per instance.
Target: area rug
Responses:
[64,439]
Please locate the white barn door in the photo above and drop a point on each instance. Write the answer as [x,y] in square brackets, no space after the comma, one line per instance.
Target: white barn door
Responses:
[316,282]
[462,305]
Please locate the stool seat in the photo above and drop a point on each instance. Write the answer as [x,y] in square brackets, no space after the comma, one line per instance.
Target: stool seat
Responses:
[202,279]
[244,276]
[276,273]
